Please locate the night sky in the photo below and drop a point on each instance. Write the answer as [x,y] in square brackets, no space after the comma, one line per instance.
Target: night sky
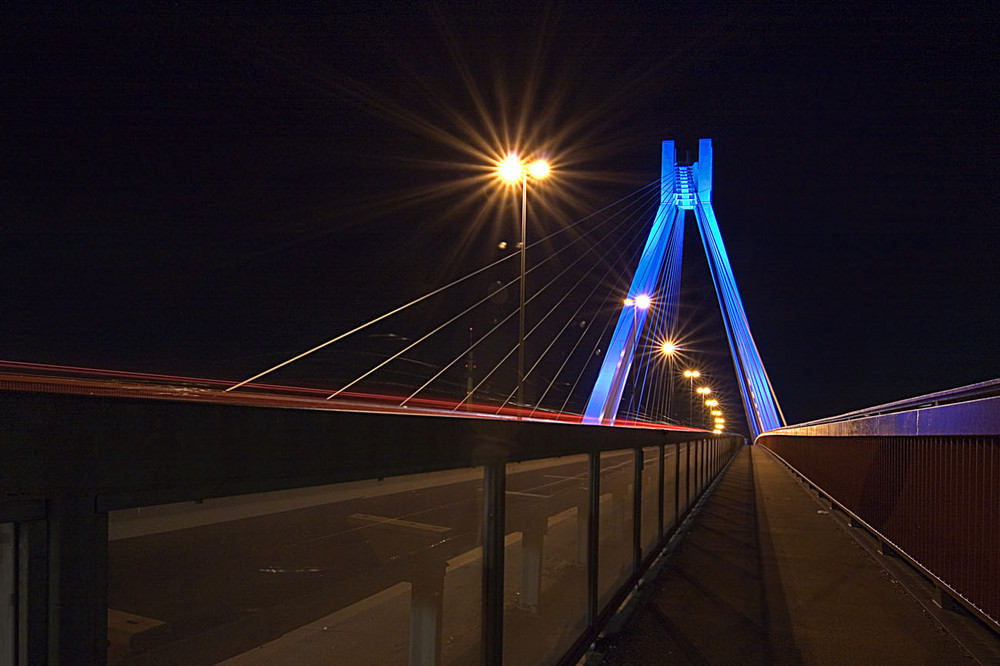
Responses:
[205,190]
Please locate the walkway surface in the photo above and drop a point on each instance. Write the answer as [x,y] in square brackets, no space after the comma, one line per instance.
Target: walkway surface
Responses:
[766,576]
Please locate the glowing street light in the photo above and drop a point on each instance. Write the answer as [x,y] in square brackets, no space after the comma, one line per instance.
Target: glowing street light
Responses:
[703,391]
[711,404]
[640,302]
[512,170]
[691,375]
[668,348]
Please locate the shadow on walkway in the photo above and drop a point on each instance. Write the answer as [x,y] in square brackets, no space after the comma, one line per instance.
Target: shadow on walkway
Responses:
[765,576]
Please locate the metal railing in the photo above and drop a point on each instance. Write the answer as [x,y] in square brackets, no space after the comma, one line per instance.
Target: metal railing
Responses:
[923,476]
[145,531]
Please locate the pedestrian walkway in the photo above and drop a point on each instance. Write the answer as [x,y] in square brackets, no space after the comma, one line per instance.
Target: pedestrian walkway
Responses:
[765,575]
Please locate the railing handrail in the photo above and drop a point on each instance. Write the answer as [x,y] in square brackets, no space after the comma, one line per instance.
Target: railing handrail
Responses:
[959,394]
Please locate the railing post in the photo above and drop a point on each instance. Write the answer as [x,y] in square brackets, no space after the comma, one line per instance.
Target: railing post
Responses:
[687,476]
[640,461]
[699,445]
[33,573]
[677,484]
[593,537]
[660,495]
[78,582]
[494,499]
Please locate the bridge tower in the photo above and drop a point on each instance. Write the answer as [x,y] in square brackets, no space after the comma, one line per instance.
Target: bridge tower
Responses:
[683,187]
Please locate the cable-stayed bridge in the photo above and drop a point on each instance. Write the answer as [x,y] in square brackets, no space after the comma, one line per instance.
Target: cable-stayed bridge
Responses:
[588,321]
[410,509]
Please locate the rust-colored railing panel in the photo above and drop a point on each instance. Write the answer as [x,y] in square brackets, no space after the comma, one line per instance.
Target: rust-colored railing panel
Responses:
[936,499]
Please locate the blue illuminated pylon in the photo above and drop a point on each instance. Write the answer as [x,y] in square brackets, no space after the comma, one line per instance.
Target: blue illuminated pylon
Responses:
[685,187]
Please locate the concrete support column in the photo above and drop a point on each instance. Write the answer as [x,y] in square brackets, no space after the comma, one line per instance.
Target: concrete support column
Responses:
[426,611]
[532,542]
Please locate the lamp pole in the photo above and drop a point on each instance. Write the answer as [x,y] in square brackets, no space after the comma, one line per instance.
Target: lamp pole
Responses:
[512,170]
[691,375]
[668,349]
[640,302]
[524,263]
[704,391]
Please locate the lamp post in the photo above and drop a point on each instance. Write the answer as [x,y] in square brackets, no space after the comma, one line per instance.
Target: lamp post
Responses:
[704,391]
[691,375]
[512,170]
[720,421]
[640,302]
[711,404]
[668,349]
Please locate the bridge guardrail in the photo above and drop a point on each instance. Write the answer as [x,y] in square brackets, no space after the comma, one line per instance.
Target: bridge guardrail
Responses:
[126,516]
[923,476]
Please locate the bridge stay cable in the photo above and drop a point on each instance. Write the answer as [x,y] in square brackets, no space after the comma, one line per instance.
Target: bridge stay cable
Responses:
[665,314]
[496,327]
[607,297]
[611,265]
[569,320]
[434,292]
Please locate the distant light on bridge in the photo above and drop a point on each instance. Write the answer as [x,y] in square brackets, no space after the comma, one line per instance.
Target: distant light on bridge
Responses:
[643,301]
[691,374]
[668,348]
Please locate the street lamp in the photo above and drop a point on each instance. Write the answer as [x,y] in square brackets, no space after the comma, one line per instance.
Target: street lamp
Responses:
[711,404]
[692,375]
[668,349]
[640,302]
[703,391]
[512,170]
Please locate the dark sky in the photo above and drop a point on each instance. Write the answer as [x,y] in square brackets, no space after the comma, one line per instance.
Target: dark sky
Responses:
[203,190]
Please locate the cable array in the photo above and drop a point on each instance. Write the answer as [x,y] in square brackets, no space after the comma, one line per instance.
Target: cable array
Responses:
[577,289]
[574,289]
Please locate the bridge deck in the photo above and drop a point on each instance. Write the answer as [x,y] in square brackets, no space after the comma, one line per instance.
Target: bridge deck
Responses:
[765,575]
